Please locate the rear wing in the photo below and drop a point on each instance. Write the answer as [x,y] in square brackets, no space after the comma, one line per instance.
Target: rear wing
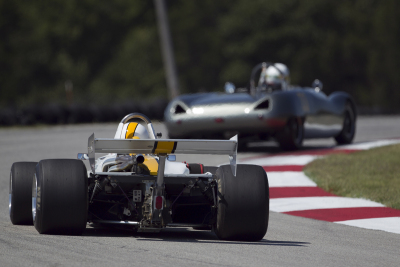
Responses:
[162,147]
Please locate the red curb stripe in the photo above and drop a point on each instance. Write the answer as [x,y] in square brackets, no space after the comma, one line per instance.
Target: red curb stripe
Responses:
[315,152]
[320,152]
[306,191]
[284,168]
[345,214]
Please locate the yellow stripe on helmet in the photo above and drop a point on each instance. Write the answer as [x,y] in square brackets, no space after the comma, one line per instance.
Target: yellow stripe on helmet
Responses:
[130,131]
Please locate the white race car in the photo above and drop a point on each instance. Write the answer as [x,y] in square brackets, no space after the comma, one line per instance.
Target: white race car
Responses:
[139,184]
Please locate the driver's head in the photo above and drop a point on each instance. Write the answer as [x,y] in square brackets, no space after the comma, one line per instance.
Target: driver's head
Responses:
[136,131]
[274,77]
[132,130]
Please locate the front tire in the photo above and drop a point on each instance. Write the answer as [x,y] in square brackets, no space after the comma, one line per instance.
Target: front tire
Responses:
[20,193]
[291,138]
[349,126]
[60,197]
[243,203]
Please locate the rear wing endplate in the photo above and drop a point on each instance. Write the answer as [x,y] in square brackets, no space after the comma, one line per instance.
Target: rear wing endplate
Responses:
[162,147]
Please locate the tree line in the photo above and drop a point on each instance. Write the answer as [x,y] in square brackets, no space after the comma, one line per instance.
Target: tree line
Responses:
[98,52]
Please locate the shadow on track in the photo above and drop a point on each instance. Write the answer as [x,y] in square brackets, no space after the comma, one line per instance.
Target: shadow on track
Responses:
[182,235]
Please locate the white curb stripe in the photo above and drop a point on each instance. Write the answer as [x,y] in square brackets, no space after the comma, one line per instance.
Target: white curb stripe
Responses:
[369,145]
[281,160]
[289,179]
[389,224]
[312,203]
[299,179]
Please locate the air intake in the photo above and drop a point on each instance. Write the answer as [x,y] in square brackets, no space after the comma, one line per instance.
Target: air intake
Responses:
[179,110]
[263,105]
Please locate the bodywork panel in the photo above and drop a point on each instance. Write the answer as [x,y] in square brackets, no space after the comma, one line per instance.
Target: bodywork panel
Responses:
[205,114]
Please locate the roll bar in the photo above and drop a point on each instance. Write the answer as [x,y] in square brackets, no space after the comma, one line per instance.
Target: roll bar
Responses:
[144,118]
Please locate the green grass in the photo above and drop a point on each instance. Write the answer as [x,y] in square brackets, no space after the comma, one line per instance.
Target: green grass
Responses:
[371,174]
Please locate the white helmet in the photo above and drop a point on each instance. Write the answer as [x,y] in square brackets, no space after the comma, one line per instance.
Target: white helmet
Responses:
[131,130]
[275,77]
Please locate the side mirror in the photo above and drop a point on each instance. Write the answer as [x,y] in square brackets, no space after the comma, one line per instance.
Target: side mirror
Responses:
[317,85]
[229,88]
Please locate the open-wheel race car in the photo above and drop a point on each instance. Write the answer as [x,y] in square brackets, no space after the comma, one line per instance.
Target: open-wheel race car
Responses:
[138,183]
[270,108]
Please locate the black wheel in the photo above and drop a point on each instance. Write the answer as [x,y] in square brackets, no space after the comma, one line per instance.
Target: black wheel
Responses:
[60,197]
[243,203]
[20,197]
[349,126]
[242,145]
[291,138]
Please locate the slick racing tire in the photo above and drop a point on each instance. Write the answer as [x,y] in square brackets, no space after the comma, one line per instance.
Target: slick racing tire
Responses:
[242,145]
[349,126]
[291,138]
[243,203]
[60,197]
[20,197]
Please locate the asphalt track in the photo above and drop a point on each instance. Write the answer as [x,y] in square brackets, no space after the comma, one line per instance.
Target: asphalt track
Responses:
[290,241]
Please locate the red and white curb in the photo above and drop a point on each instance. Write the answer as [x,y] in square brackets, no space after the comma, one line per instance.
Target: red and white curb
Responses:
[293,193]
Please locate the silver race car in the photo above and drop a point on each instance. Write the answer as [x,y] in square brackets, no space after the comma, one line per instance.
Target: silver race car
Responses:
[270,108]
[137,183]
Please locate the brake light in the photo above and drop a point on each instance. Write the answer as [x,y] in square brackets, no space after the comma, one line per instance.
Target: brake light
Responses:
[219,120]
[159,202]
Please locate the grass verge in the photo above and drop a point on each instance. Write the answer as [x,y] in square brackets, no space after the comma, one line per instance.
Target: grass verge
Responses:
[372,174]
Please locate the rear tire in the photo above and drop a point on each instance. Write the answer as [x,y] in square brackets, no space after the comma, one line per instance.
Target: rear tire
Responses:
[243,203]
[242,144]
[20,193]
[60,197]
[291,138]
[349,126]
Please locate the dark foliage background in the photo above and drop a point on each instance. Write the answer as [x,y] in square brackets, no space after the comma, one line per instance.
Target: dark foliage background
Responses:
[109,50]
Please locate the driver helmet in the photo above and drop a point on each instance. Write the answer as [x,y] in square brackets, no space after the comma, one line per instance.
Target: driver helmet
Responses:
[275,77]
[132,130]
